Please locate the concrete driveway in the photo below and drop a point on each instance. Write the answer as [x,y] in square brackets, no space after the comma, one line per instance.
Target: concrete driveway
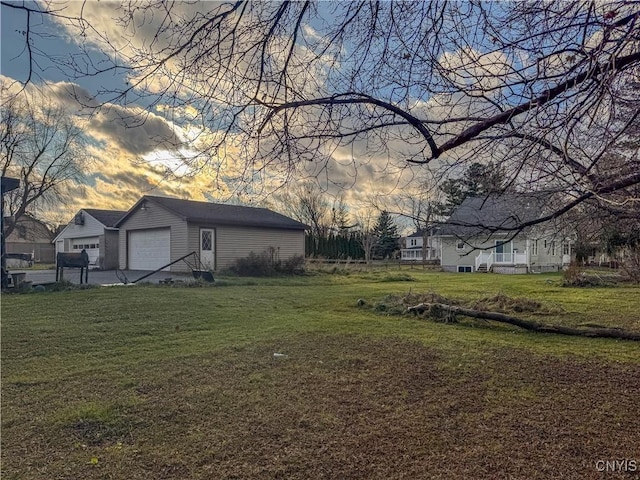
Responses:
[101,277]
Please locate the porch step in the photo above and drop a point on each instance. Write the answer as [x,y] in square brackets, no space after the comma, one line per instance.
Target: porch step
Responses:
[482,268]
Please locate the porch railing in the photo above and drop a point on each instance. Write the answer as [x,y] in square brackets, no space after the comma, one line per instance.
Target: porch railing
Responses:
[497,258]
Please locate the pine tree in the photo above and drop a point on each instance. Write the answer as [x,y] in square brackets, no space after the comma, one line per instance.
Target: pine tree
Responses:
[477,179]
[386,233]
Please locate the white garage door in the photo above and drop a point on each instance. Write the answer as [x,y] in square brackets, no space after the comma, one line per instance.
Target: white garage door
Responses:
[149,249]
[90,244]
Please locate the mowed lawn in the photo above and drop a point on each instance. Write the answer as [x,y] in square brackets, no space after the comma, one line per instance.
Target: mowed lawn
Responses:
[159,382]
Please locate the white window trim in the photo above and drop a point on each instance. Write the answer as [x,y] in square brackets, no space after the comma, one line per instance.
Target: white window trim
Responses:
[465,267]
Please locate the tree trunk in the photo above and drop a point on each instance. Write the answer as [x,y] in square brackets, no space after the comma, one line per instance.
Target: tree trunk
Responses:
[528,324]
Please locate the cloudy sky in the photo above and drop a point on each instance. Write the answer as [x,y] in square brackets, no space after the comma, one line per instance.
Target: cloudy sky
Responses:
[135,147]
[123,140]
[179,124]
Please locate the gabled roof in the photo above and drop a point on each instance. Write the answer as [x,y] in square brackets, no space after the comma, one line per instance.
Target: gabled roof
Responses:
[108,218]
[34,229]
[433,230]
[221,214]
[493,213]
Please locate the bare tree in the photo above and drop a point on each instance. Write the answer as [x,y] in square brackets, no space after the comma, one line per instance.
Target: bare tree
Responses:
[308,204]
[42,147]
[293,85]
[366,221]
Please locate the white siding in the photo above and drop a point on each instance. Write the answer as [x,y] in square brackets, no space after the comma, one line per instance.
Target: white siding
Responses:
[452,257]
[91,228]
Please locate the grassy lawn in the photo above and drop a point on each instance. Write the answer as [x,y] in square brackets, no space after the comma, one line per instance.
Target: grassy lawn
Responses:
[148,382]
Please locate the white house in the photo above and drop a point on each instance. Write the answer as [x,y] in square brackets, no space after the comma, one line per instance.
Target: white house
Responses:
[479,236]
[421,246]
[92,230]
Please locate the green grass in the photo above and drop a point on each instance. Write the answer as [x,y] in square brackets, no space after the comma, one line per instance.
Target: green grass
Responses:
[166,382]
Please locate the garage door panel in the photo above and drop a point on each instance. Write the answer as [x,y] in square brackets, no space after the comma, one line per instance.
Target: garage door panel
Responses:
[149,249]
[90,244]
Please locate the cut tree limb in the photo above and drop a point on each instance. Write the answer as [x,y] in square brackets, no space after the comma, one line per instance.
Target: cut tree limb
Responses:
[527,324]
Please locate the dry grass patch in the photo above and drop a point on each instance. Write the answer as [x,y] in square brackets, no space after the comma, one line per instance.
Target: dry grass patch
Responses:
[348,406]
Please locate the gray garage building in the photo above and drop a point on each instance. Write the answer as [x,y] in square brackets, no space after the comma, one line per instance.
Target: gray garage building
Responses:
[159,230]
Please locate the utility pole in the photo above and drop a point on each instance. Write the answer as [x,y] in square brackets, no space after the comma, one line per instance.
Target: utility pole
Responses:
[8,184]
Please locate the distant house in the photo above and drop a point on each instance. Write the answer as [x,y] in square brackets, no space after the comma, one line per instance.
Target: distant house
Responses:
[421,246]
[477,238]
[159,230]
[92,230]
[30,236]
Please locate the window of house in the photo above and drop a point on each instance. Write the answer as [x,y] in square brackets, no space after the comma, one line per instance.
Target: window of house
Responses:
[413,242]
[566,250]
[464,269]
[553,248]
[459,245]
[534,247]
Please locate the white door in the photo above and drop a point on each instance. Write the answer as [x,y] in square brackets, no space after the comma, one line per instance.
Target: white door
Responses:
[208,248]
[149,249]
[503,252]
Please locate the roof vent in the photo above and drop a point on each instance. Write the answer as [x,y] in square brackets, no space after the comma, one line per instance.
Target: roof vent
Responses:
[79,219]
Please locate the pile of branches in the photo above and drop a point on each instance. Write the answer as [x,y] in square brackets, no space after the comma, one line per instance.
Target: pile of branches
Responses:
[499,308]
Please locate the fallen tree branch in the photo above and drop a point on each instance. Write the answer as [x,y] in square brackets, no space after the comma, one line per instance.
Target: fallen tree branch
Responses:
[526,324]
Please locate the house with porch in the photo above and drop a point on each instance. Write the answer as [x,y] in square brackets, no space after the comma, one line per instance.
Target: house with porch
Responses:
[420,247]
[479,236]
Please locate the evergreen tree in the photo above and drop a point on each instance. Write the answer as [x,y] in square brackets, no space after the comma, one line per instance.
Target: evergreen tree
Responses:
[477,179]
[386,233]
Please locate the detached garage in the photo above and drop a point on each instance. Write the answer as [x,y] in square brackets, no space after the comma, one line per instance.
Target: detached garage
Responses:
[94,231]
[159,230]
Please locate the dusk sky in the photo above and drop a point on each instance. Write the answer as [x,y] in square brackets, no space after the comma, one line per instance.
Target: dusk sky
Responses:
[190,131]
[128,162]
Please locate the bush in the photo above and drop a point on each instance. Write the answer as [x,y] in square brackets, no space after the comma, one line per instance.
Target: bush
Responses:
[267,264]
[293,265]
[572,275]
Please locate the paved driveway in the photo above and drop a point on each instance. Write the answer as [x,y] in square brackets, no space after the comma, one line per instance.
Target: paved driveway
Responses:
[100,277]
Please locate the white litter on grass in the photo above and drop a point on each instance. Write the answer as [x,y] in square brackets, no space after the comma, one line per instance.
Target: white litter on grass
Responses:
[280,355]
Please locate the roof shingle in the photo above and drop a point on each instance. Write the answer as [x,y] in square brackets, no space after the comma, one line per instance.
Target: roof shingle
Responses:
[217,213]
[108,218]
[493,213]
